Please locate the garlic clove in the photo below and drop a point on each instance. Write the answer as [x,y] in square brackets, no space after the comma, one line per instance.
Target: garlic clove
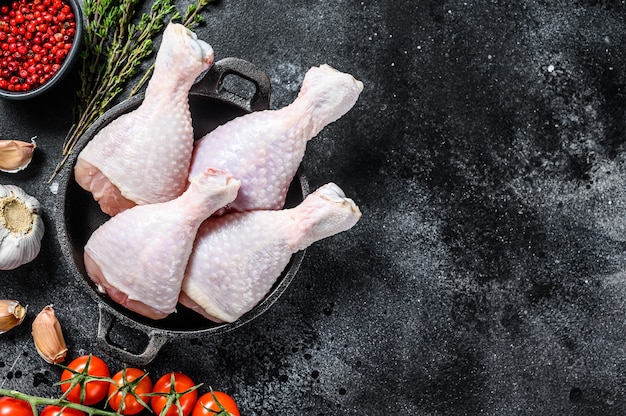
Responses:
[11,314]
[15,155]
[48,336]
[21,227]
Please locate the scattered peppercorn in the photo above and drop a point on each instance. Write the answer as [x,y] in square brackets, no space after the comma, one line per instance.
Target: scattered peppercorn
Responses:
[35,38]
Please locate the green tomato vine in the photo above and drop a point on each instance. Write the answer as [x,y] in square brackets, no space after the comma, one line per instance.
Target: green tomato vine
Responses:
[35,401]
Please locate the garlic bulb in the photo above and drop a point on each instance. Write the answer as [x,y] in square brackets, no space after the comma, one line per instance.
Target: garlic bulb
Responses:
[15,155]
[21,227]
[11,314]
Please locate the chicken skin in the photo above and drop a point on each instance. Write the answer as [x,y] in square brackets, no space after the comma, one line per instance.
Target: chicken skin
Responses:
[237,257]
[143,157]
[263,149]
[139,256]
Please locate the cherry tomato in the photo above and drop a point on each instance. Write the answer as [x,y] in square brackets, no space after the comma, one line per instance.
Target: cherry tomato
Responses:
[14,407]
[60,411]
[181,383]
[207,405]
[128,384]
[95,390]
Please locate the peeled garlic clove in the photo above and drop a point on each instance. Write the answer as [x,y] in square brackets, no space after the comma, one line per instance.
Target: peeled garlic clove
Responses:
[11,314]
[21,227]
[48,336]
[15,155]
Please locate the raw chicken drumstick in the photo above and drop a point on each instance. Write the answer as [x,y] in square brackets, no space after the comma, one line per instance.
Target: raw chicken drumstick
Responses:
[143,156]
[237,257]
[139,256]
[263,149]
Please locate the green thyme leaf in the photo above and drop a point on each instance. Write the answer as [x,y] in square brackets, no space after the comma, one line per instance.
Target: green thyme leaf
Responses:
[115,43]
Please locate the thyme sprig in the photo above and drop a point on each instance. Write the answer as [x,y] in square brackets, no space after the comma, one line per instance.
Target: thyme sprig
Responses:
[114,47]
[191,19]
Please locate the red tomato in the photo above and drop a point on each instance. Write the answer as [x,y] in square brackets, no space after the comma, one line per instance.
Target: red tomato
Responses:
[60,411]
[166,388]
[14,407]
[207,405]
[129,384]
[95,390]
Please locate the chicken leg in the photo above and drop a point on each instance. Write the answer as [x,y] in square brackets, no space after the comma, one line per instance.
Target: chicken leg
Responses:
[263,149]
[143,156]
[237,257]
[138,257]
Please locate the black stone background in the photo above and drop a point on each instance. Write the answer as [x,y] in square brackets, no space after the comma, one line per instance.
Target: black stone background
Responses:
[487,273]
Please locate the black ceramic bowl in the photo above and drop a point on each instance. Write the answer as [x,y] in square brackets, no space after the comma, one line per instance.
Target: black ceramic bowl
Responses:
[210,106]
[66,65]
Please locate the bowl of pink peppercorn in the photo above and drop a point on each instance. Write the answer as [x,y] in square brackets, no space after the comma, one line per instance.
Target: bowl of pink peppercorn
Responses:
[39,44]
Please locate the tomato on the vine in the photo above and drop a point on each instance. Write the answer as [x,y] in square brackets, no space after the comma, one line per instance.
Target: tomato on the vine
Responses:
[60,411]
[215,403]
[129,386]
[81,370]
[14,407]
[179,386]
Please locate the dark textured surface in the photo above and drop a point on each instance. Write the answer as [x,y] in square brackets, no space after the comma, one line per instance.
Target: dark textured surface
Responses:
[487,273]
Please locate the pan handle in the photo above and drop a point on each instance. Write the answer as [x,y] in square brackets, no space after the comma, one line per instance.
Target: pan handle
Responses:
[211,83]
[156,341]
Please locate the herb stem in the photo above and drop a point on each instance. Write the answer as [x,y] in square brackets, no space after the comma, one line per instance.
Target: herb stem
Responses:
[116,43]
[191,19]
[35,401]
